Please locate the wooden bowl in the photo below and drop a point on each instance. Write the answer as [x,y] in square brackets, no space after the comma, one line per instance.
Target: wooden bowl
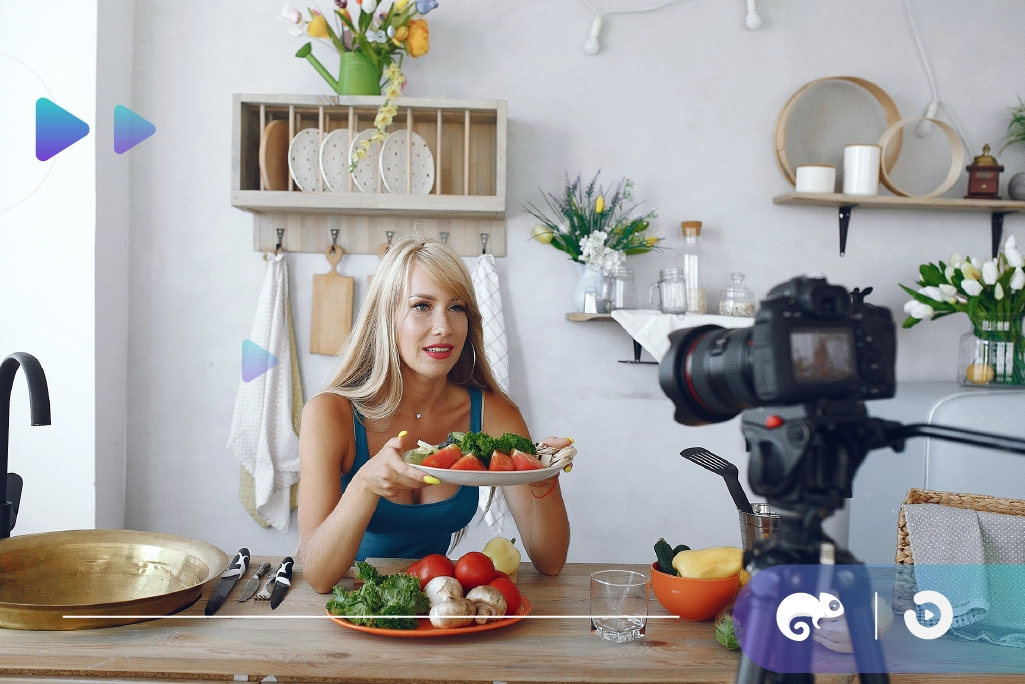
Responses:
[693,599]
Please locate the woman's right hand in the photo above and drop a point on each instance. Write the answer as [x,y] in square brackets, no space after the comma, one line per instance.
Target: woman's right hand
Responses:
[387,475]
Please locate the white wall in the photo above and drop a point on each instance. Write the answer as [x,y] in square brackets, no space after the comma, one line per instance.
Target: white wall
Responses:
[682,101]
[47,259]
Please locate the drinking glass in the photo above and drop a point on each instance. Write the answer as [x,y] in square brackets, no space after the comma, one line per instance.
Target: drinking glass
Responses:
[619,605]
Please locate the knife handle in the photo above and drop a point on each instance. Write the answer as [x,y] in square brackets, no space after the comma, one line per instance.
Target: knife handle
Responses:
[284,575]
[239,565]
[264,567]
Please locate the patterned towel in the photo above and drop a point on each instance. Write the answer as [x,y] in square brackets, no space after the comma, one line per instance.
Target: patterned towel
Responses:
[489,299]
[263,435]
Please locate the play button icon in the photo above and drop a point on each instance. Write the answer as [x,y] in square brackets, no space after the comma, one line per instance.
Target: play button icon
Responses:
[130,129]
[56,129]
[928,615]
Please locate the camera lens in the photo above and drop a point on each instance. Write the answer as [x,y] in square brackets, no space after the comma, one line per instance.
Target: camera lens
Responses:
[707,374]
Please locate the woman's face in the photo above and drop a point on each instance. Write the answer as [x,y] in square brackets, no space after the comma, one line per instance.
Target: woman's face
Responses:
[430,325]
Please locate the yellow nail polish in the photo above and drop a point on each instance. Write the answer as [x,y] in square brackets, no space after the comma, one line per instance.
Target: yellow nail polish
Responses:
[430,479]
[567,469]
[403,434]
[571,440]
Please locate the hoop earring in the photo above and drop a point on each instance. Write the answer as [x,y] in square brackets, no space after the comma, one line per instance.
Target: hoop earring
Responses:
[472,368]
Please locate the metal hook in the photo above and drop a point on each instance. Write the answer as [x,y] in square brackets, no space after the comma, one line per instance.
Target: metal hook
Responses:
[281,235]
[444,236]
[484,243]
[334,236]
[390,235]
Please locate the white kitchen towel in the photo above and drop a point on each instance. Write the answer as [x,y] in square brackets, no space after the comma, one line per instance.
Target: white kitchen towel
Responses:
[262,435]
[488,292]
[651,327]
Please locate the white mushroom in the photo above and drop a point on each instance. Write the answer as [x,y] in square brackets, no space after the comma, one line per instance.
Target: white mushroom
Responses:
[550,456]
[455,612]
[490,598]
[442,588]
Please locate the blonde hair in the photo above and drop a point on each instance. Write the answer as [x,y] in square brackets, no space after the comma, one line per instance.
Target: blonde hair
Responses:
[369,367]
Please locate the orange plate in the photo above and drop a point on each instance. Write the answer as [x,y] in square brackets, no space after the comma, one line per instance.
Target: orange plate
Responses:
[426,629]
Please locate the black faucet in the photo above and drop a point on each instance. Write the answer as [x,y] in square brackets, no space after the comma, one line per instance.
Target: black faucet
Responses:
[39,400]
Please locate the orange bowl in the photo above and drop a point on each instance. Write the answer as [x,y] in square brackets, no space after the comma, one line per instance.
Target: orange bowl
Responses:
[693,599]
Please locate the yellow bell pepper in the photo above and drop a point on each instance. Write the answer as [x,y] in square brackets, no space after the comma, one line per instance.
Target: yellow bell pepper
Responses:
[714,563]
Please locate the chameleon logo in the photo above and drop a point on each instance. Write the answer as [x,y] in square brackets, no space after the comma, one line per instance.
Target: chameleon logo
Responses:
[805,605]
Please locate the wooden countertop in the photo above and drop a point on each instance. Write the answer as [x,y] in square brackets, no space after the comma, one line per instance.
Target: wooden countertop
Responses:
[303,647]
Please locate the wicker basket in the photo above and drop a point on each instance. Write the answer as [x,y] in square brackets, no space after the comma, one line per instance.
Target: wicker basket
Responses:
[904,587]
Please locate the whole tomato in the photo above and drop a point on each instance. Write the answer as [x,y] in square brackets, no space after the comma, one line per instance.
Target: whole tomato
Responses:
[429,567]
[510,591]
[474,569]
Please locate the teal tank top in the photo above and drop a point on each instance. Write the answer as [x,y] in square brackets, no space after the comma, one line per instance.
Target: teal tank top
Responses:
[414,530]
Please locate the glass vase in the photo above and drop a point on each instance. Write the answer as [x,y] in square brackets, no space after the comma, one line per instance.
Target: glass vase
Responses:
[587,298]
[993,353]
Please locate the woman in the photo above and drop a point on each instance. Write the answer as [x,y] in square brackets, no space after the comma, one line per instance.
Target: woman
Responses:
[413,369]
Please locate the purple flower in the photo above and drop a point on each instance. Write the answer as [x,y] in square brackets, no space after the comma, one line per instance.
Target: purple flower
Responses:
[425,6]
[340,4]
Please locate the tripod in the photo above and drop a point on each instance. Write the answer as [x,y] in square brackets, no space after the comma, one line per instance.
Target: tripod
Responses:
[803,461]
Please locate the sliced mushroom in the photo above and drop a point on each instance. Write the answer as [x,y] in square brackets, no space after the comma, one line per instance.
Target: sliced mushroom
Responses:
[485,596]
[442,588]
[455,612]
[551,456]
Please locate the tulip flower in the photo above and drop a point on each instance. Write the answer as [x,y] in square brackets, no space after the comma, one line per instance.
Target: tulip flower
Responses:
[291,14]
[401,5]
[998,292]
[401,33]
[425,6]
[599,205]
[950,271]
[910,306]
[1018,279]
[418,39]
[948,292]
[955,259]
[542,234]
[989,272]
[922,311]
[317,27]
[974,261]
[969,271]
[650,241]
[368,6]
[340,4]
[971,287]
[932,293]
[1014,257]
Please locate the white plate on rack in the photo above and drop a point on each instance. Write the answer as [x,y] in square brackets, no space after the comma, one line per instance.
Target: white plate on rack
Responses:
[489,478]
[304,159]
[393,164]
[365,175]
[334,160]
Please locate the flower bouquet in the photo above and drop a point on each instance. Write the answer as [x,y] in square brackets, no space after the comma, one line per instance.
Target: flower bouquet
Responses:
[992,294]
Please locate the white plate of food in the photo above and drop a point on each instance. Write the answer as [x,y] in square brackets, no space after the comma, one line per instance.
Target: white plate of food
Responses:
[489,478]
[551,460]
[365,176]
[393,163]
[304,159]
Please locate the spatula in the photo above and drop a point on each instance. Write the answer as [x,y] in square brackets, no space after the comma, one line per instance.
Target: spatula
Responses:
[720,466]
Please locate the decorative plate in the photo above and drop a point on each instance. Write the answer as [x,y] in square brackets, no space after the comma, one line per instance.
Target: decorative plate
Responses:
[489,478]
[365,176]
[393,164]
[334,160]
[274,155]
[426,629]
[304,159]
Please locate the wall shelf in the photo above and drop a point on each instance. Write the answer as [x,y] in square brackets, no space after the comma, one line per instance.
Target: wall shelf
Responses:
[845,204]
[581,317]
[467,139]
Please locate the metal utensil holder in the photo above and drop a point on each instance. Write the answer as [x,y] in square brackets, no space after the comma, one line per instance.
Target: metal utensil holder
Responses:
[758,525]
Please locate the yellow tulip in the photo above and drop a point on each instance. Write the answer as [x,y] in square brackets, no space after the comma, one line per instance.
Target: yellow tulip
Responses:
[401,4]
[418,39]
[650,241]
[599,205]
[318,27]
[542,234]
[401,33]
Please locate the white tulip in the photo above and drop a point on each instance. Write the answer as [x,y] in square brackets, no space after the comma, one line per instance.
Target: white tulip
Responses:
[949,271]
[368,6]
[949,293]
[922,311]
[975,261]
[955,259]
[971,287]
[1010,243]
[932,293]
[989,272]
[291,14]
[910,306]
[1017,280]
[998,292]
[1014,258]
[969,271]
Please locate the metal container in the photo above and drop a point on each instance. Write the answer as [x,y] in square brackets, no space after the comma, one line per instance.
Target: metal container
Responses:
[117,573]
[758,525]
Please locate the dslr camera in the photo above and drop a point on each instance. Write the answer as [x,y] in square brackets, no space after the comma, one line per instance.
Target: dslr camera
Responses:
[810,340]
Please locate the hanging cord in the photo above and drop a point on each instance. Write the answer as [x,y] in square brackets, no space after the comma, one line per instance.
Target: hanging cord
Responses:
[591,45]
[923,129]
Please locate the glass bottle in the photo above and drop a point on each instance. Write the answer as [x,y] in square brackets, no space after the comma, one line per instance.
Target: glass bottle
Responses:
[736,300]
[692,258]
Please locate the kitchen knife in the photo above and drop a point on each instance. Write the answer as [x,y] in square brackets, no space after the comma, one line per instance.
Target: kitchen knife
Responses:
[282,582]
[254,582]
[238,567]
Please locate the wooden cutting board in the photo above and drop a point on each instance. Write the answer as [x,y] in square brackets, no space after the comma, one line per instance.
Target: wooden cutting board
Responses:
[331,318]
[274,155]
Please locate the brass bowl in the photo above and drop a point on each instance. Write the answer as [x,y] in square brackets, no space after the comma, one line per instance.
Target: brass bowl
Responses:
[45,577]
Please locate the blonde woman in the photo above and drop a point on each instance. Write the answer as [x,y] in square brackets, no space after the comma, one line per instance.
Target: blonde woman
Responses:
[413,369]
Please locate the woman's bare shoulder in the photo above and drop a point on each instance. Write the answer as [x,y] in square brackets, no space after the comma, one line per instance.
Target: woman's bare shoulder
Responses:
[326,430]
[326,406]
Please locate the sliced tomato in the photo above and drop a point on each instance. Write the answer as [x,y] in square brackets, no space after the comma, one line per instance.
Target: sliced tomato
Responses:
[468,462]
[500,461]
[510,592]
[443,458]
[525,461]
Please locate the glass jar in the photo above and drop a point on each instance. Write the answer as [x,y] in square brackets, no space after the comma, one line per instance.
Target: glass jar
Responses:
[993,353]
[672,291]
[737,300]
[618,291]
[692,258]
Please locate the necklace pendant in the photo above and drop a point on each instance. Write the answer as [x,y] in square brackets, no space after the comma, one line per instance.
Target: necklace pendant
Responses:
[418,415]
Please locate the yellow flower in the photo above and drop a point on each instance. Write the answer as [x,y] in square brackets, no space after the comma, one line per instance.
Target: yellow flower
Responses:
[599,205]
[650,241]
[318,27]
[401,5]
[378,136]
[401,33]
[418,39]
[542,234]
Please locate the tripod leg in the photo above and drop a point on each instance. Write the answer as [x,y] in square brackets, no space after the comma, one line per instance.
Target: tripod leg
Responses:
[749,673]
[854,588]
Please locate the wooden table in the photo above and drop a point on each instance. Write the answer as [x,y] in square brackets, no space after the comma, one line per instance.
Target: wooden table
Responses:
[306,648]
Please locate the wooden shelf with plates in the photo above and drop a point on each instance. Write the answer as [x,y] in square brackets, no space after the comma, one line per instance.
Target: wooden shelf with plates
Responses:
[466,140]
[845,204]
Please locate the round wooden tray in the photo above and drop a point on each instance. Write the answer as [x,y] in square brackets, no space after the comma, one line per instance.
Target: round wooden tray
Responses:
[779,134]
[956,156]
